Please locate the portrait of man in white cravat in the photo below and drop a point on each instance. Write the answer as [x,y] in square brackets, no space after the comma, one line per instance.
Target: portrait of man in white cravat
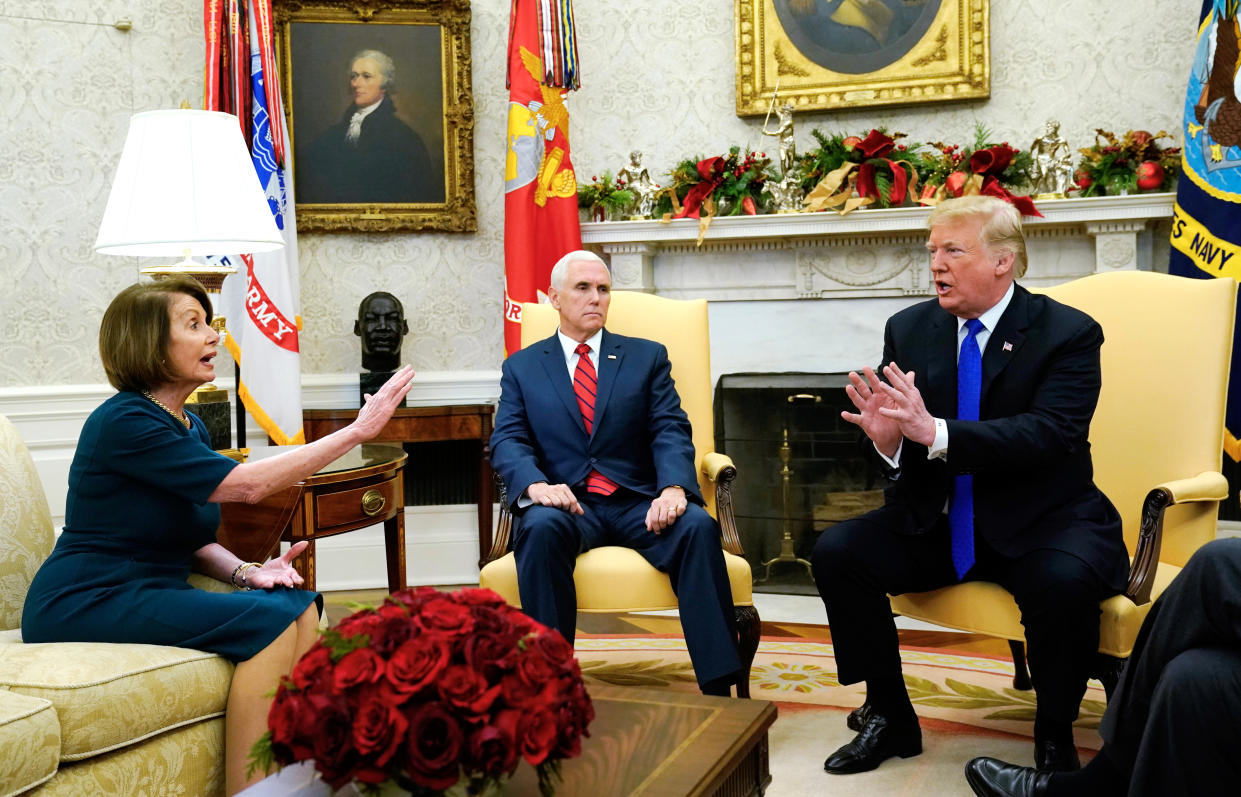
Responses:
[369,152]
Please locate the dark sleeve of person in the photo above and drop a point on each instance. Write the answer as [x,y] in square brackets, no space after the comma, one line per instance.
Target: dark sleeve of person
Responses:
[512,447]
[865,444]
[672,443]
[1056,421]
[145,448]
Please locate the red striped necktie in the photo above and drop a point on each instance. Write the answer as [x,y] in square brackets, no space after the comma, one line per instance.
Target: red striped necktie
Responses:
[585,385]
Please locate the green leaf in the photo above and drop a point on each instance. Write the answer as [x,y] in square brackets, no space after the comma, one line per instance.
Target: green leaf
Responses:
[971,690]
[261,758]
[1021,714]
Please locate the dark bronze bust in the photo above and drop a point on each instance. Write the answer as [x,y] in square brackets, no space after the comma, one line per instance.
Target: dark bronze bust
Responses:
[381,325]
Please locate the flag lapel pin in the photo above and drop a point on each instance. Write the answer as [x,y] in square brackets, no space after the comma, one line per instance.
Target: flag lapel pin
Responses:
[1008,346]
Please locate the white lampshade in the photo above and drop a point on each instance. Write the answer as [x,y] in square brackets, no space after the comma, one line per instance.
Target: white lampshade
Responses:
[186,186]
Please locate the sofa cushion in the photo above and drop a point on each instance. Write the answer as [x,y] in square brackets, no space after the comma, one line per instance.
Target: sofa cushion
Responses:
[107,696]
[30,739]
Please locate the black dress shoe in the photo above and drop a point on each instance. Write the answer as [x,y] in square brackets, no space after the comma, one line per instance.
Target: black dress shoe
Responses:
[991,777]
[1055,756]
[858,716]
[878,741]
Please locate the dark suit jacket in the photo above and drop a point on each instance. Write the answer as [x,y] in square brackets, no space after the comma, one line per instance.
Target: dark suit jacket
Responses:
[641,437]
[1028,452]
[389,163]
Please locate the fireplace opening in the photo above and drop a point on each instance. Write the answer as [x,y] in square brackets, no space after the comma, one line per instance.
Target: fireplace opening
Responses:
[800,468]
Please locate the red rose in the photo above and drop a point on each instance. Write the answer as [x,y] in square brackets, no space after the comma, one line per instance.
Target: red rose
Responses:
[463,687]
[535,668]
[316,665]
[490,654]
[357,667]
[553,647]
[434,744]
[287,719]
[416,663]
[520,693]
[413,598]
[378,730]
[537,735]
[363,622]
[445,617]
[333,750]
[477,597]
[492,750]
[495,620]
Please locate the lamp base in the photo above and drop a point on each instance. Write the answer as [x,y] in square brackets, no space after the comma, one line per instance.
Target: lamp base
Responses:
[212,277]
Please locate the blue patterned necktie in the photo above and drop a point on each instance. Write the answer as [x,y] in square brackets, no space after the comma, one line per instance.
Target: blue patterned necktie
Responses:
[969,391]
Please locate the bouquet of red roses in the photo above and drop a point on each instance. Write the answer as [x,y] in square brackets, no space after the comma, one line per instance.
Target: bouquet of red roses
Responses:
[427,690]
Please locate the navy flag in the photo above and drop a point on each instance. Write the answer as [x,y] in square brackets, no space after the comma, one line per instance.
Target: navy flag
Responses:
[1206,224]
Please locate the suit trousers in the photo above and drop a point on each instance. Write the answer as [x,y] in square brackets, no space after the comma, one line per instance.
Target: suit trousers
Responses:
[861,561]
[547,542]
[1172,721]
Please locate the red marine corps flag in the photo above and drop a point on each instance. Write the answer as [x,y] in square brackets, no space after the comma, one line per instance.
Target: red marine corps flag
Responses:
[540,189]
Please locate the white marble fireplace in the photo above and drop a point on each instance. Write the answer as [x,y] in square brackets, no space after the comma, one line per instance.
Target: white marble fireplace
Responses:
[811,292]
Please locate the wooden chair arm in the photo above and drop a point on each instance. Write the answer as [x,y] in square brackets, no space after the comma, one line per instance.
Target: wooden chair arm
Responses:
[1206,486]
[719,468]
[504,525]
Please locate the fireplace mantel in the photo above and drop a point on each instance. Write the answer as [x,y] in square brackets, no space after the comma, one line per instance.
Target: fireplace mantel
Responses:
[869,253]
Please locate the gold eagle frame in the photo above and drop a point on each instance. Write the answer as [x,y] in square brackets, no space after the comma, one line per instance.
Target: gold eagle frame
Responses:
[951,61]
[457,213]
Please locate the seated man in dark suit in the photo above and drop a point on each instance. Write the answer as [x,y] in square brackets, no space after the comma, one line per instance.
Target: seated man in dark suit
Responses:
[1171,727]
[594,450]
[982,428]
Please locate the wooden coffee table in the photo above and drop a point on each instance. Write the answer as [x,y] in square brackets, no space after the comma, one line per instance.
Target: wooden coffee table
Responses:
[659,742]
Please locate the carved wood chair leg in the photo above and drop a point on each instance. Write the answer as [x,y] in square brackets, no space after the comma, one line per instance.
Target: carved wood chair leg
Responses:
[1021,673]
[1107,669]
[748,625]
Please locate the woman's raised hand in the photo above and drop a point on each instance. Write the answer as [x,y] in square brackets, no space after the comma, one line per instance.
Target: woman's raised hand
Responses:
[377,409]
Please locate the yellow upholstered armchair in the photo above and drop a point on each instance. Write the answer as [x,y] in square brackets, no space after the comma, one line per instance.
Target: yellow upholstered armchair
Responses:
[613,579]
[92,718]
[1156,439]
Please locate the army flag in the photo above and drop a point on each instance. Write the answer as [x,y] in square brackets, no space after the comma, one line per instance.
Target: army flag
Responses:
[1206,224]
[540,188]
[260,301]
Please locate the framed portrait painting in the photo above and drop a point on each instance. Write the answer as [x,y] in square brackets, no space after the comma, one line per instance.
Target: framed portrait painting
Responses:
[380,110]
[832,54]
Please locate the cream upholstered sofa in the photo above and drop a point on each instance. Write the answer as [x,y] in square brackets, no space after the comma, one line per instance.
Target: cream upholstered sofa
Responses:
[89,718]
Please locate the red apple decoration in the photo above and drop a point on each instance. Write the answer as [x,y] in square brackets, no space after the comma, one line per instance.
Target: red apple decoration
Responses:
[955,183]
[851,142]
[1150,175]
[1082,178]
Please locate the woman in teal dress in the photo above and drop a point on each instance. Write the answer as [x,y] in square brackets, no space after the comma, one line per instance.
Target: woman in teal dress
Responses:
[143,508]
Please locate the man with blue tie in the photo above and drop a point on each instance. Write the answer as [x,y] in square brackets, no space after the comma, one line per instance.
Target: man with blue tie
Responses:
[980,424]
[594,449]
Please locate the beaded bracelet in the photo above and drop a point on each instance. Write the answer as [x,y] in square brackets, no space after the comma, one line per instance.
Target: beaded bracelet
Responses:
[241,570]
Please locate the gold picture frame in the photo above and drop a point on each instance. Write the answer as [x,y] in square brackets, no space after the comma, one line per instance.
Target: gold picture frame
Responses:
[833,54]
[408,163]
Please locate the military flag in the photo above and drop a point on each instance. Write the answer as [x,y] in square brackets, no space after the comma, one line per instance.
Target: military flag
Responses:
[260,301]
[540,188]
[1206,224]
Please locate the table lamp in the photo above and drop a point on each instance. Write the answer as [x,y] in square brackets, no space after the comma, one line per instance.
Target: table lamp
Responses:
[186,186]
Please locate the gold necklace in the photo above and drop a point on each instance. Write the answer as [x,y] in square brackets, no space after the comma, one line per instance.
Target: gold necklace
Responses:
[181,418]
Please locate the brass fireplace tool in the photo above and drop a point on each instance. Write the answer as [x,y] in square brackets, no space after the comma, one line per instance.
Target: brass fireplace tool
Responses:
[787,554]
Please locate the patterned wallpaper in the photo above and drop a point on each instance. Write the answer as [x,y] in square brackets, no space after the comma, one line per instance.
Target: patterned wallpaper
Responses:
[658,76]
